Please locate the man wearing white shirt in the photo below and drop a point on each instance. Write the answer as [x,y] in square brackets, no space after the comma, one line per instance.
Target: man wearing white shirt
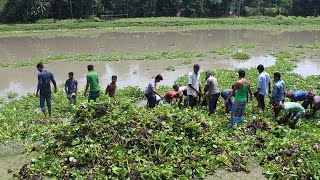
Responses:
[193,86]
[263,86]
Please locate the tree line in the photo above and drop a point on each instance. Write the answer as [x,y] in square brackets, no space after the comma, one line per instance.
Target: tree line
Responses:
[32,10]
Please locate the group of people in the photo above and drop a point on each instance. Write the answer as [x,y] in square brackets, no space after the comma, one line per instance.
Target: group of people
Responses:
[71,87]
[241,91]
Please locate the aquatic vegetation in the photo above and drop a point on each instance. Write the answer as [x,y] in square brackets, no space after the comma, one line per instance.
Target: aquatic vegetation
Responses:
[315,45]
[241,55]
[247,45]
[12,95]
[94,57]
[170,68]
[116,139]
[222,51]
[187,62]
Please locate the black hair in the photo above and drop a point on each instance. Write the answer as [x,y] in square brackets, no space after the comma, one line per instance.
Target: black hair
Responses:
[260,67]
[70,73]
[277,74]
[159,77]
[241,73]
[90,67]
[114,77]
[196,65]
[39,65]
[232,86]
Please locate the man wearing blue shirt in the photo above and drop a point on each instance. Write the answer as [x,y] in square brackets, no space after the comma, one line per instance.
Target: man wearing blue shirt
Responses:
[44,79]
[263,86]
[299,95]
[278,93]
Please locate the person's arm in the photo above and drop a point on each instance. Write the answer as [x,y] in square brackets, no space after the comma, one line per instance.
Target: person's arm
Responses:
[66,87]
[87,87]
[107,90]
[39,84]
[155,92]
[269,87]
[76,87]
[54,83]
[206,87]
[235,87]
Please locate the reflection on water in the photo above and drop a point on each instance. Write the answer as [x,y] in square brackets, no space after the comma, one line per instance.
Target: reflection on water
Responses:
[21,48]
[130,73]
[308,67]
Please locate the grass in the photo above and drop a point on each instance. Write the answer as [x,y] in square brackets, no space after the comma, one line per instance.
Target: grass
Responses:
[168,23]
[12,95]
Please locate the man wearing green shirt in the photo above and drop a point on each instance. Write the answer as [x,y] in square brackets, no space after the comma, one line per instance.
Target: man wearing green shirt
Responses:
[93,82]
[293,111]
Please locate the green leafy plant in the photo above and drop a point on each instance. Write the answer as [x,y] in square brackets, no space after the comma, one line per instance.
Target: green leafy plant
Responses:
[241,55]
[170,68]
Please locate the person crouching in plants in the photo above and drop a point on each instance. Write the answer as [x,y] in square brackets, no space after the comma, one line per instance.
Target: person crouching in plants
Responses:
[71,88]
[44,79]
[278,93]
[111,88]
[181,91]
[214,91]
[225,94]
[299,95]
[314,105]
[151,91]
[240,90]
[293,111]
[169,96]
[194,86]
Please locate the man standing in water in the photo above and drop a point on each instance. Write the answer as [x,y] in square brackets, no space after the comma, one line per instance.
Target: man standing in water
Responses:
[194,88]
[240,89]
[93,82]
[263,87]
[44,79]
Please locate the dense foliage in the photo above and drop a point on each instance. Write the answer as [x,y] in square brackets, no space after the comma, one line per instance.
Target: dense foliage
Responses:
[31,10]
[116,139]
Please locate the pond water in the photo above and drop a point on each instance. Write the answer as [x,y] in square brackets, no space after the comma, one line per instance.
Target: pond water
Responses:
[139,73]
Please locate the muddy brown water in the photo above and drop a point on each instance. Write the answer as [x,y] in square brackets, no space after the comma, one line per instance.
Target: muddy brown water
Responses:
[21,48]
[139,73]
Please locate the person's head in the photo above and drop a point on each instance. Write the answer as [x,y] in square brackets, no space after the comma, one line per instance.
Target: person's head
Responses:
[40,67]
[279,106]
[310,95]
[289,94]
[241,73]
[260,68]
[70,75]
[196,68]
[175,87]
[114,79]
[90,67]
[276,76]
[208,74]
[158,78]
